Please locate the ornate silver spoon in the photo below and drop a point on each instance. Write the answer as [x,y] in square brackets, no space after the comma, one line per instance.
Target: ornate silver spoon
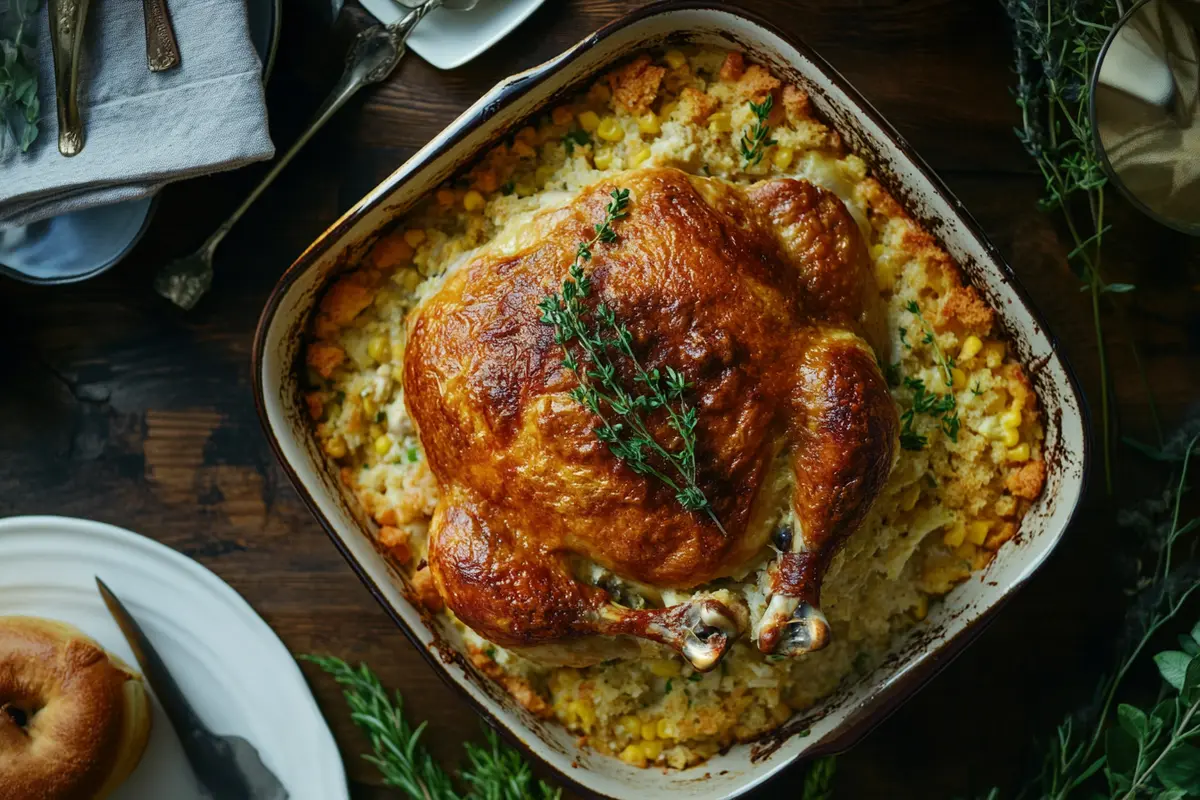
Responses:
[375,53]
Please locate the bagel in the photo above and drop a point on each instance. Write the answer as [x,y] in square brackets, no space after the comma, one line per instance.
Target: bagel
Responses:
[74,719]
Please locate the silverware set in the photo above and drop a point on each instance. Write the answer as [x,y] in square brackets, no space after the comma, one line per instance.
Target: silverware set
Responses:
[67,21]
[373,56]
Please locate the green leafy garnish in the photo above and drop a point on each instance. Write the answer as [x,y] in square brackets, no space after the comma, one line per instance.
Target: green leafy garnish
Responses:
[944,407]
[623,415]
[576,138]
[756,140]
[494,771]
[818,781]
[19,105]
[1149,750]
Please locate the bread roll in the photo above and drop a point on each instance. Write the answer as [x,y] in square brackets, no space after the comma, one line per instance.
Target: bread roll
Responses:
[74,719]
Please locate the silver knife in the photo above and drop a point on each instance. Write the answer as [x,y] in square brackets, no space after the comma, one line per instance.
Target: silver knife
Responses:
[228,767]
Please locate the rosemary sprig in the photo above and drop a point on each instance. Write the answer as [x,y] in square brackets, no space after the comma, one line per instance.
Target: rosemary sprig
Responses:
[494,772]
[755,141]
[623,414]
[944,407]
[1057,43]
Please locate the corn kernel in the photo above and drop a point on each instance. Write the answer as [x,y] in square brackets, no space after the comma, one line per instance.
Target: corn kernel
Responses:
[665,729]
[640,156]
[970,348]
[977,531]
[383,444]
[782,157]
[667,110]
[966,551]
[473,201]
[631,724]
[523,150]
[543,174]
[378,349]
[398,352]
[600,93]
[1011,437]
[921,609]
[587,716]
[524,189]
[719,122]
[562,115]
[603,158]
[993,353]
[589,121]
[955,536]
[1019,453]
[633,754]
[651,750]
[414,237]
[445,197]
[336,447]
[958,379]
[648,123]
[1011,419]
[610,130]
[649,729]
[674,59]
[664,668]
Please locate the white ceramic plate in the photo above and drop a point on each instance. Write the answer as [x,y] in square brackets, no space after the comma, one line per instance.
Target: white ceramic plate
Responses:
[232,667]
[449,39]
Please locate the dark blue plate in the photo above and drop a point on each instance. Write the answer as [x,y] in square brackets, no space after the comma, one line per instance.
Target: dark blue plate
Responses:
[80,245]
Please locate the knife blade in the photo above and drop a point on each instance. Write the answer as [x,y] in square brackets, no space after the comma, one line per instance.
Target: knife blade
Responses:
[228,767]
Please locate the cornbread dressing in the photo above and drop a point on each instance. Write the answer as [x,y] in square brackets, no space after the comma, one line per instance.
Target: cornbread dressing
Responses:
[941,513]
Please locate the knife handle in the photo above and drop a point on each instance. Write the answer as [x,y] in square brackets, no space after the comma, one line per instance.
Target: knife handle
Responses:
[162,51]
[67,18]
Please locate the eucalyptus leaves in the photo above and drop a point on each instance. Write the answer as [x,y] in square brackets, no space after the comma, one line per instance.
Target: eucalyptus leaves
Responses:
[623,415]
[19,106]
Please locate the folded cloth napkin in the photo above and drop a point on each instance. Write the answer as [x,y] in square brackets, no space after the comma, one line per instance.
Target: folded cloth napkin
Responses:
[143,129]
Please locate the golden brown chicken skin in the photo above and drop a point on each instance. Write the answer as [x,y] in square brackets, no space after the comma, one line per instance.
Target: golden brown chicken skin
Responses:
[759,297]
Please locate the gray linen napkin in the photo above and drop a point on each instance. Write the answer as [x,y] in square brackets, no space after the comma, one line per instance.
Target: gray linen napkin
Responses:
[143,129]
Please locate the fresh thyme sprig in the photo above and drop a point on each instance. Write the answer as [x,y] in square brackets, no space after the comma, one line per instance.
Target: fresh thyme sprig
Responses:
[494,772]
[622,414]
[1057,43]
[756,140]
[942,406]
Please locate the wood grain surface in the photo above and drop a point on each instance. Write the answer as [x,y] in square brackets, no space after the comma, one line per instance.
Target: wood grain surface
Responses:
[118,407]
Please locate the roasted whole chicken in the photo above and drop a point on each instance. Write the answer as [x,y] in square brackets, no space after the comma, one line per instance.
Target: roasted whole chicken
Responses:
[762,296]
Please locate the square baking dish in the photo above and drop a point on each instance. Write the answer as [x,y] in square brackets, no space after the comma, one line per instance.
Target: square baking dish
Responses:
[840,719]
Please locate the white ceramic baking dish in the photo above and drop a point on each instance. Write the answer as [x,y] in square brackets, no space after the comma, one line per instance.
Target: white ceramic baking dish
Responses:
[847,715]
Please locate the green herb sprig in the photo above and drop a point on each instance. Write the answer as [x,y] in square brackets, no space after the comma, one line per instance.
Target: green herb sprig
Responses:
[818,781]
[944,407]
[623,414]
[1142,752]
[756,140]
[577,138]
[1057,43]
[19,106]
[493,772]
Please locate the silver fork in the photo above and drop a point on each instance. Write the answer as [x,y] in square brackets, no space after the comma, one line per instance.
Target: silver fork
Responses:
[375,53]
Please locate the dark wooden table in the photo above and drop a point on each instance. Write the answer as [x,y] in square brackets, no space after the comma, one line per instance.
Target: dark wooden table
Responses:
[118,407]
